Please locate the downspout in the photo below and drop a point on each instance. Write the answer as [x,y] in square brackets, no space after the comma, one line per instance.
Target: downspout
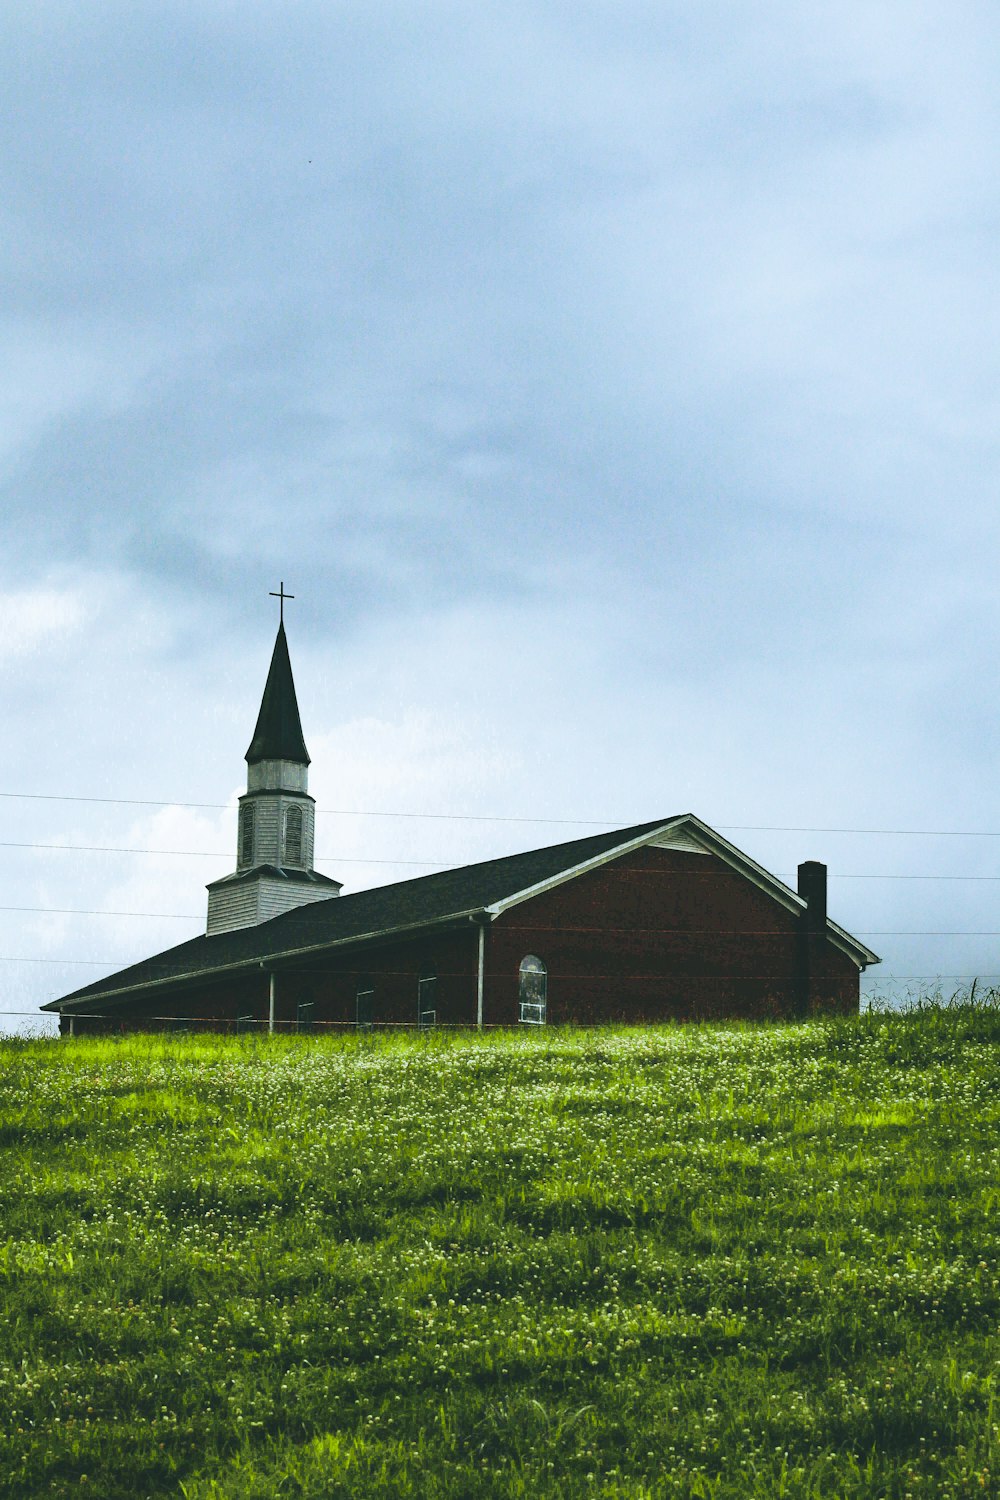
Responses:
[482,920]
[479,977]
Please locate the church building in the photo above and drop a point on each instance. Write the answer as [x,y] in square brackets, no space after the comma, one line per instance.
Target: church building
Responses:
[663,921]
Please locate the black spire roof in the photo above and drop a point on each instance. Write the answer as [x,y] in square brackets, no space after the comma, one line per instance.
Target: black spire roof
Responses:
[278,735]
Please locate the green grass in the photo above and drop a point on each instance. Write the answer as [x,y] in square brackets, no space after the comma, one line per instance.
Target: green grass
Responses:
[712,1261]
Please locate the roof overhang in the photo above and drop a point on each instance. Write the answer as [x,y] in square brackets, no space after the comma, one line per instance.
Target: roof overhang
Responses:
[282,958]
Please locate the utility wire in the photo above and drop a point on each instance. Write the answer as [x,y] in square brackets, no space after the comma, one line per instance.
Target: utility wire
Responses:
[166,971]
[699,932]
[260,1023]
[211,854]
[437,864]
[353,812]
[152,970]
[116,801]
[190,916]
[340,812]
[83,911]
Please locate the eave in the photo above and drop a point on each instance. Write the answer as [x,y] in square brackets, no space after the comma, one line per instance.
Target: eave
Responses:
[266,962]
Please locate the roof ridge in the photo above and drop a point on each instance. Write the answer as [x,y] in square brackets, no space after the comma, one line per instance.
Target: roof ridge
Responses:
[621,835]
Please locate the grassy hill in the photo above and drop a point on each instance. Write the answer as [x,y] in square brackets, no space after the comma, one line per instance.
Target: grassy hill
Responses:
[713,1261]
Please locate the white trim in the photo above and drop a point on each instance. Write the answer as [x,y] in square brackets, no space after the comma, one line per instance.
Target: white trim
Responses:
[700,833]
[745,865]
[772,886]
[842,939]
[593,863]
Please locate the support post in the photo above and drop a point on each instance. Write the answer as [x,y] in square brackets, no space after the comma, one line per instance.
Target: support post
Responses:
[479,977]
[270,1005]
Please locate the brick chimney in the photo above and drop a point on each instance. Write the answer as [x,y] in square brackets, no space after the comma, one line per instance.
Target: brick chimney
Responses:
[811,937]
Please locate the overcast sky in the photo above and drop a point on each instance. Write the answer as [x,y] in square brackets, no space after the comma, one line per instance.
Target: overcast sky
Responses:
[614,384]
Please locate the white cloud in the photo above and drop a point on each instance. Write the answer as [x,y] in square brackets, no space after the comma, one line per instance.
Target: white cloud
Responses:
[615,386]
[33,620]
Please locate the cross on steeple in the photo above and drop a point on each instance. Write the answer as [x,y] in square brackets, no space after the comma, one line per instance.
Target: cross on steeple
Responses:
[282,596]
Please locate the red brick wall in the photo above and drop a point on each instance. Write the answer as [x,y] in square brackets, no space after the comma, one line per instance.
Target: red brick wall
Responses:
[210,1007]
[330,982]
[659,935]
[656,935]
[393,970]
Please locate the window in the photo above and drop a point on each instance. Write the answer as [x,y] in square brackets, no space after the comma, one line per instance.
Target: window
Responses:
[304,1015]
[246,835]
[244,1024]
[293,836]
[532,991]
[365,1001]
[426,999]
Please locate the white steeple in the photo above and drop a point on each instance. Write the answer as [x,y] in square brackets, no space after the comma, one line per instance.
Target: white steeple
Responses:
[277,822]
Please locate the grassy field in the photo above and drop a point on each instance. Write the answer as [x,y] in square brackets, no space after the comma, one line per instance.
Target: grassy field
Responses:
[713,1261]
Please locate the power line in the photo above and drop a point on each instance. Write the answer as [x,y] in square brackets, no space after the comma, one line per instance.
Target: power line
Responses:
[339,812]
[185,916]
[837,875]
[152,969]
[295,1026]
[262,1022]
[210,854]
[82,911]
[115,801]
[441,864]
[15,958]
[300,970]
[356,812]
[927,833]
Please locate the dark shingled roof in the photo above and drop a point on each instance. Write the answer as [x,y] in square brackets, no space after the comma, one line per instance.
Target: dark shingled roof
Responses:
[406,904]
[278,735]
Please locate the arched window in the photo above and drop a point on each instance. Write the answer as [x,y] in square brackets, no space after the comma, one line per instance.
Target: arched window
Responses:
[532,990]
[427,997]
[293,836]
[246,834]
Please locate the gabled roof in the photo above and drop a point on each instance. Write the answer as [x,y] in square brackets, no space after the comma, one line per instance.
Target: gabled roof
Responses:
[485,889]
[278,735]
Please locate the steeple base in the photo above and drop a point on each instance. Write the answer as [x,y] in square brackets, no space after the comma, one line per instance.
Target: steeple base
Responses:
[257,895]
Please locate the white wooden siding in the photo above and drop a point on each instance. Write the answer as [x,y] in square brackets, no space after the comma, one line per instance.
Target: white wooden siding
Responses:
[277,776]
[254,901]
[678,839]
